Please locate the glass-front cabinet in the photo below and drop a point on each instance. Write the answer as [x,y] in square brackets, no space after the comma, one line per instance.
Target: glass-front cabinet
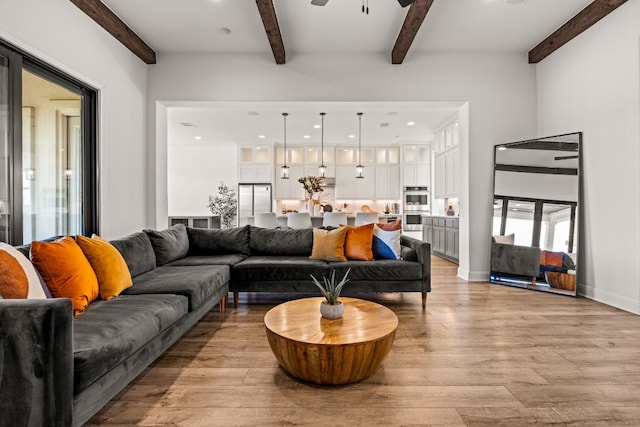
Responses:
[254,163]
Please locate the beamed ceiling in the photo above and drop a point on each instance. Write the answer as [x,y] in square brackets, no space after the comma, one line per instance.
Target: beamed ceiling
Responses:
[538,27]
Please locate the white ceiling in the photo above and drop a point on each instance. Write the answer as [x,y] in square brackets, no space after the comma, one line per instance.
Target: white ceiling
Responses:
[237,122]
[340,26]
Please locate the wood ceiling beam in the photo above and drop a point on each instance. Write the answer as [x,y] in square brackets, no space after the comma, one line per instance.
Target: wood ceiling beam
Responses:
[412,22]
[270,22]
[588,16]
[108,20]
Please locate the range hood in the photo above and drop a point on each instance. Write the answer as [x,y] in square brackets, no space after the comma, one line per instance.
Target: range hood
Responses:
[329,182]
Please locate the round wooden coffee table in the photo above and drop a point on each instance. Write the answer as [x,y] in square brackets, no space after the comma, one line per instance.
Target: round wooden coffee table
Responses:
[330,352]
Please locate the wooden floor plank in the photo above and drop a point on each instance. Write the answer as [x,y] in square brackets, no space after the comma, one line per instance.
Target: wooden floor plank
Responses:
[480,354]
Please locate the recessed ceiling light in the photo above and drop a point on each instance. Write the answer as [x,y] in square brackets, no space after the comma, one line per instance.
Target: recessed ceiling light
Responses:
[392,113]
[261,136]
[306,136]
[198,137]
[224,31]
[316,126]
[253,113]
[384,125]
[352,136]
[188,124]
[411,123]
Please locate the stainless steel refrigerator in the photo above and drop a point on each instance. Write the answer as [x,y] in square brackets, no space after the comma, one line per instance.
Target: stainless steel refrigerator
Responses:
[253,198]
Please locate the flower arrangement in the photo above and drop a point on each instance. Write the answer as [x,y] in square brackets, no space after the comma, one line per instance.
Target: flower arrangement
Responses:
[311,184]
[225,205]
[330,290]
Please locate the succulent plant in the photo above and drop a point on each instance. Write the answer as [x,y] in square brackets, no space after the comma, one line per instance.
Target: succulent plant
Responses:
[330,290]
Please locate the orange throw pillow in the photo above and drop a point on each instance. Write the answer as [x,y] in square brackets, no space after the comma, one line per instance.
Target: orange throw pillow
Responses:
[358,242]
[108,264]
[66,271]
[13,283]
[19,278]
[391,226]
[328,245]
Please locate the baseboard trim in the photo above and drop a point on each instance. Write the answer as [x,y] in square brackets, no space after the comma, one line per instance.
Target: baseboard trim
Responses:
[623,303]
[473,276]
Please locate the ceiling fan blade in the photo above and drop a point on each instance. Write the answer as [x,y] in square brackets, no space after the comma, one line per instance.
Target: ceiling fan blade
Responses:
[405,3]
[319,2]
[565,157]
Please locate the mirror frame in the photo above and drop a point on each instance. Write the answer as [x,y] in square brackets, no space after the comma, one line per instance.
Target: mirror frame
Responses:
[524,261]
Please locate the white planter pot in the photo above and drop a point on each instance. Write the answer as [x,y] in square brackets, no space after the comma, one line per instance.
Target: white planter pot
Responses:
[331,311]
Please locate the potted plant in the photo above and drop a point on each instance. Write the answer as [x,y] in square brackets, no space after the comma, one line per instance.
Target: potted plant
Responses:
[331,307]
[225,205]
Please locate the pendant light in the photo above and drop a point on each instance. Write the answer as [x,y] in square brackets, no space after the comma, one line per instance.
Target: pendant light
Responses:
[322,169]
[284,170]
[359,168]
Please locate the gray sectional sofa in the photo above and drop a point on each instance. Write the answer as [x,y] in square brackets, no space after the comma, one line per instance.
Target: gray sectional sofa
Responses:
[57,369]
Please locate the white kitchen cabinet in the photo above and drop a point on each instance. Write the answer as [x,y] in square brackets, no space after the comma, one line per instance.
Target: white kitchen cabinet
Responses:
[416,174]
[452,172]
[387,182]
[415,153]
[446,165]
[255,163]
[439,177]
[290,189]
[387,155]
[439,142]
[254,173]
[351,188]
[416,165]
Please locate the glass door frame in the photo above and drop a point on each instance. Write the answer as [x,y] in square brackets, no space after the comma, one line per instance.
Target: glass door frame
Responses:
[19,60]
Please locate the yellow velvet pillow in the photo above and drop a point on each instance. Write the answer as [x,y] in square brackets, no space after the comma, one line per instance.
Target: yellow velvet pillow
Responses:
[328,245]
[358,242]
[108,264]
[66,271]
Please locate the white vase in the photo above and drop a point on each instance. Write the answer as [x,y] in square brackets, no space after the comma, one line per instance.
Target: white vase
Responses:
[329,311]
[310,207]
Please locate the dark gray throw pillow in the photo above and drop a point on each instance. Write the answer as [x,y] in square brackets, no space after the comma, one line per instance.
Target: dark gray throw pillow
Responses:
[170,244]
[204,241]
[289,242]
[137,251]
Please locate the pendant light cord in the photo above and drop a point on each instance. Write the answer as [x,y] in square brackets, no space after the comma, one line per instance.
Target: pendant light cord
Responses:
[322,140]
[359,138]
[285,137]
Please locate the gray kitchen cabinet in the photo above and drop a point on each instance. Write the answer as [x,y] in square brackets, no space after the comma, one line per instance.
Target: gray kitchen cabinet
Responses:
[443,235]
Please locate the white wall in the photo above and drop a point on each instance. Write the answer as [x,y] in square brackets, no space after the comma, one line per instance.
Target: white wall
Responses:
[592,84]
[194,179]
[60,34]
[499,88]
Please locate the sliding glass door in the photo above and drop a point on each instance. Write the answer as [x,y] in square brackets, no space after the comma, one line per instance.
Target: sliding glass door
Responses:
[48,160]
[5,205]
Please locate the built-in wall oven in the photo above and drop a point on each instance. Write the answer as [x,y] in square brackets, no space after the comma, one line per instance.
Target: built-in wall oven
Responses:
[415,203]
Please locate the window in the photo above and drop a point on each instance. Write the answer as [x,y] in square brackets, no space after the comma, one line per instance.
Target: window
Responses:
[48,145]
[547,224]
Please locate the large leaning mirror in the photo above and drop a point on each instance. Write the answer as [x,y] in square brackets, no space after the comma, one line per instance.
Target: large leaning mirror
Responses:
[534,242]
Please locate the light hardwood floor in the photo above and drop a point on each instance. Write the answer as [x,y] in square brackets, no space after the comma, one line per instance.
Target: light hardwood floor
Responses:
[481,354]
